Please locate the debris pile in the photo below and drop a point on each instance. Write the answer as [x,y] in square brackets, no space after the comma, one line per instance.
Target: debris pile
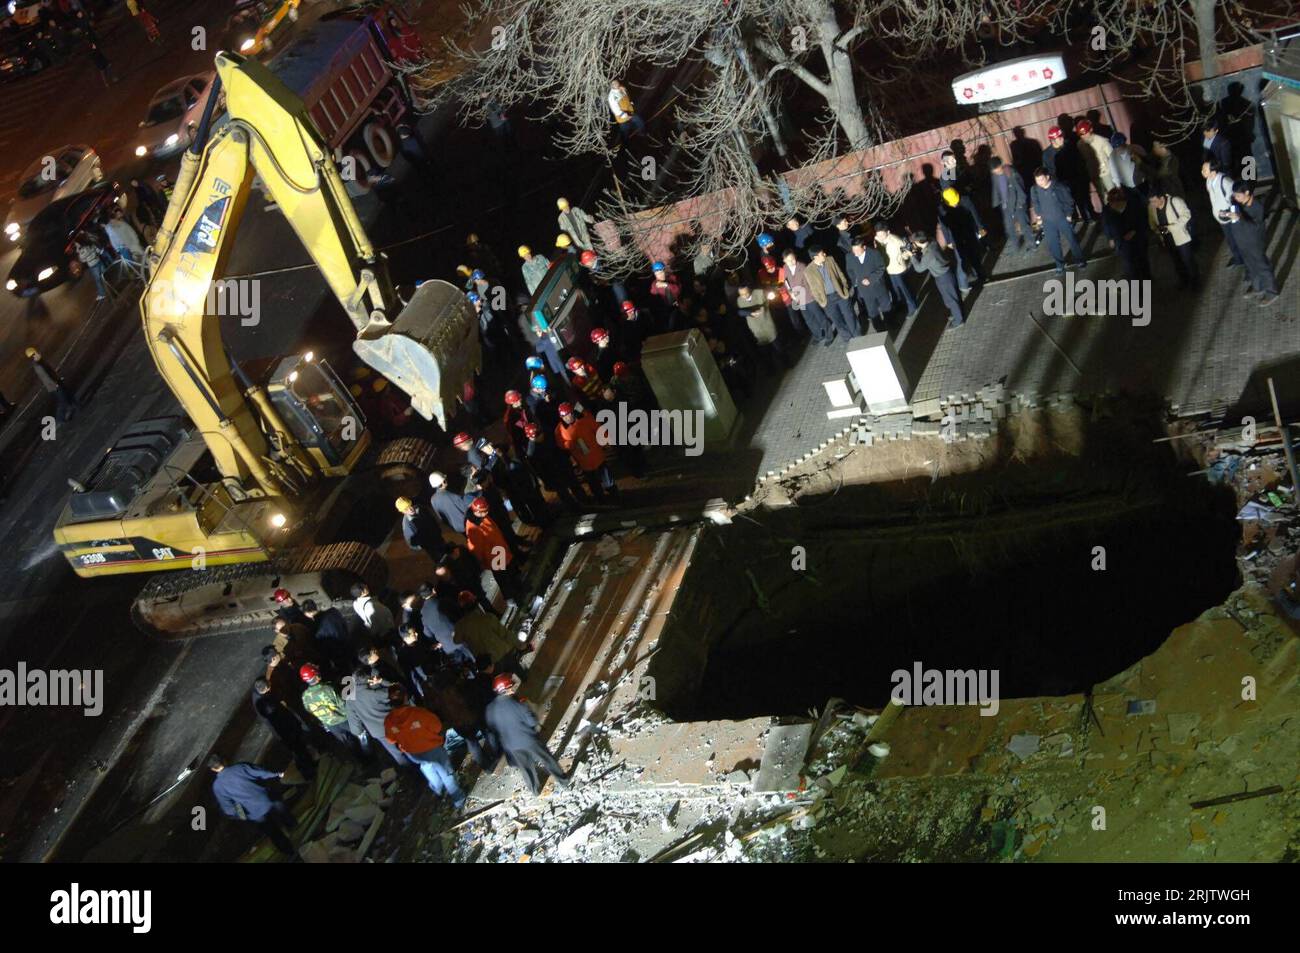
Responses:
[355,816]
[1254,466]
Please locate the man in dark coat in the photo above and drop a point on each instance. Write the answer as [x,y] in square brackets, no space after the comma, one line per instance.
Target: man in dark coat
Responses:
[441,627]
[285,724]
[368,705]
[866,271]
[961,234]
[1125,222]
[1064,164]
[420,528]
[333,640]
[1010,199]
[460,570]
[451,507]
[242,794]
[1216,148]
[930,258]
[1051,203]
[829,287]
[514,727]
[803,309]
[553,467]
[1252,240]
[801,232]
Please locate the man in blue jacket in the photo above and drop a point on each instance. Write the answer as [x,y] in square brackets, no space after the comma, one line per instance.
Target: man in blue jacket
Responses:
[1051,203]
[241,793]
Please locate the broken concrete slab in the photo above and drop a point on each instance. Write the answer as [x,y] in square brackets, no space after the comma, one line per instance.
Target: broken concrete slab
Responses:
[783,758]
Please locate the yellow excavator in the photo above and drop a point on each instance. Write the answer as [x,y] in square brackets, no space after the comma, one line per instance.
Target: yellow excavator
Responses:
[241,496]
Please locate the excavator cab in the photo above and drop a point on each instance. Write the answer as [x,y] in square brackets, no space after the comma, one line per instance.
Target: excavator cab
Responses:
[319,412]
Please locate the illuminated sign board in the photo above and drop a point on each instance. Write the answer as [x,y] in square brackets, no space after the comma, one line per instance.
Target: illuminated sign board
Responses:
[1014,79]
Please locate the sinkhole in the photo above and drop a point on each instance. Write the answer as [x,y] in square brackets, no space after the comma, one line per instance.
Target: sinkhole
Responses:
[996,569]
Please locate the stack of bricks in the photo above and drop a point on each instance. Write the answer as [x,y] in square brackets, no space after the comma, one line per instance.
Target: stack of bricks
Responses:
[868,430]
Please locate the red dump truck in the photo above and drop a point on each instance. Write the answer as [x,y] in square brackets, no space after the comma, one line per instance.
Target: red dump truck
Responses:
[339,65]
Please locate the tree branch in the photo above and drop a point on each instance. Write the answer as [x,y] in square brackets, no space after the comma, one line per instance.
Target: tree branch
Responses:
[779,58]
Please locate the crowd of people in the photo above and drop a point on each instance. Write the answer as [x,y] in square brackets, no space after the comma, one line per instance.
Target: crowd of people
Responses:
[438,676]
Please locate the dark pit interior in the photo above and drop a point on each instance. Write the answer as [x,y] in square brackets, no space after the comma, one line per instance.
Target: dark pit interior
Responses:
[990,570]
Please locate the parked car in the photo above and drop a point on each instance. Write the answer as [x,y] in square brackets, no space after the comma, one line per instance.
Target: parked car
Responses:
[20,55]
[173,115]
[26,12]
[61,172]
[47,259]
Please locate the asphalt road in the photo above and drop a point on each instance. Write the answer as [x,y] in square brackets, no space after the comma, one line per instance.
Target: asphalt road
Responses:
[68,781]
[69,103]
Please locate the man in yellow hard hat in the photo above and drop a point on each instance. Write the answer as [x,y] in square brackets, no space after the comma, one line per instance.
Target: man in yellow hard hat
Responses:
[576,223]
[534,268]
[960,232]
[420,529]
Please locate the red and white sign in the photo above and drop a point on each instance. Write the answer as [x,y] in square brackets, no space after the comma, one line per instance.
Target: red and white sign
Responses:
[1009,80]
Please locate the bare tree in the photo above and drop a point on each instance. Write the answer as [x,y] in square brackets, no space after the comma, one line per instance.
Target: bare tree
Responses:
[731,60]
[1148,47]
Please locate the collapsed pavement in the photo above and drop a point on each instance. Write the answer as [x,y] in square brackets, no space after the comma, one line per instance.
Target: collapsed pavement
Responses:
[1171,757]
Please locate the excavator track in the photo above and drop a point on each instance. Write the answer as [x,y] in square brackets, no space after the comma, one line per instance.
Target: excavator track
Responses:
[404,457]
[182,605]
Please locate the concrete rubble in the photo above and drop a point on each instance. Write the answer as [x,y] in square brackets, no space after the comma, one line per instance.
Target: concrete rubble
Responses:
[355,817]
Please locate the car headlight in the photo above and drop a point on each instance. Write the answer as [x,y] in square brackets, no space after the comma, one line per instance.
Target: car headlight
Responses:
[171,140]
[247,45]
[141,151]
[45,273]
[11,285]
[13,230]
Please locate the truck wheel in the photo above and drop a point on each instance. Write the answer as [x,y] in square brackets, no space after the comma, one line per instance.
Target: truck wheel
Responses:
[379,143]
[361,166]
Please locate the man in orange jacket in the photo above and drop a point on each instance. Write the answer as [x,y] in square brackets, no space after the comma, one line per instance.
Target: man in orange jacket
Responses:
[581,437]
[488,545]
[418,734]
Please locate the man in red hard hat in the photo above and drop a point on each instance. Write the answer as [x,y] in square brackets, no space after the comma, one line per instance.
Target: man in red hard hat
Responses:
[323,703]
[489,477]
[516,415]
[581,437]
[286,608]
[1062,160]
[515,728]
[553,467]
[585,381]
[488,545]
[606,354]
[1095,151]
[632,331]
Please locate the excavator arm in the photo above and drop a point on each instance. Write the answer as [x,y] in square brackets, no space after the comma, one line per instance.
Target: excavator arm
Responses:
[429,350]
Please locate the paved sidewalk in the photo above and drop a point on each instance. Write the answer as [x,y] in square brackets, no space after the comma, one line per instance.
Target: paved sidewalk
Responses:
[1202,352]
[1198,352]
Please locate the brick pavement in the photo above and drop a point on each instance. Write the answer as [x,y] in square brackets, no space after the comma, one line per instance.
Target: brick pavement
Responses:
[1202,353]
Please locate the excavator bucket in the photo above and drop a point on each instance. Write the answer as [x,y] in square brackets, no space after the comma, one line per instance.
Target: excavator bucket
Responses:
[431,351]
